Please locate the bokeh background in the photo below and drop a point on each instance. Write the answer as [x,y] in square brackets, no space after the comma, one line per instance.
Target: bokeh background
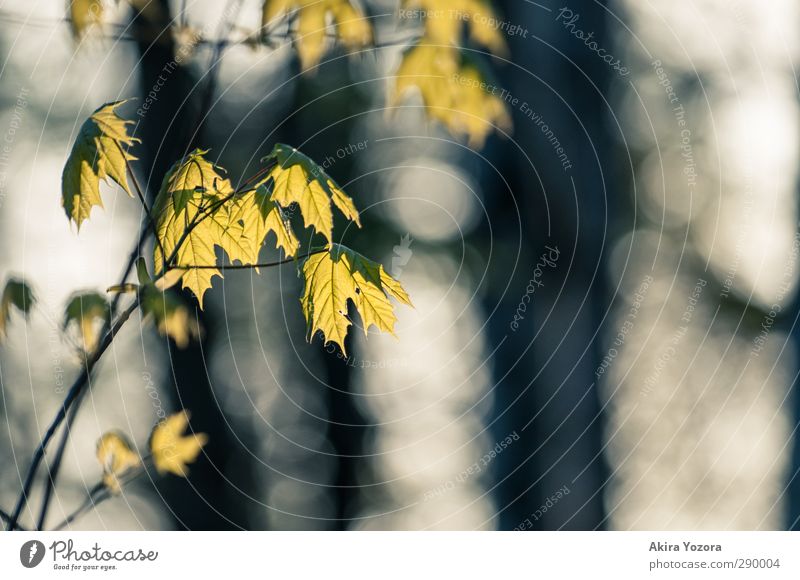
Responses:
[649,382]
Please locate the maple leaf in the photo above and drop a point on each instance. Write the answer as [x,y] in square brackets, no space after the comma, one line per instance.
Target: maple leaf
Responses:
[340,275]
[171,449]
[446,19]
[350,25]
[16,294]
[189,211]
[259,214]
[117,458]
[87,311]
[453,92]
[99,153]
[297,179]
[171,315]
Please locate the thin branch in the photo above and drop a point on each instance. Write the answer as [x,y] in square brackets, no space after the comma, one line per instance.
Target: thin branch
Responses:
[151,220]
[73,393]
[249,266]
[96,495]
[7,518]
[54,469]
[62,444]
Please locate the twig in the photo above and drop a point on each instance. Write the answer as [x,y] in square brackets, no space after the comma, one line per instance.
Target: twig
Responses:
[96,495]
[151,220]
[72,395]
[62,444]
[7,518]
[248,266]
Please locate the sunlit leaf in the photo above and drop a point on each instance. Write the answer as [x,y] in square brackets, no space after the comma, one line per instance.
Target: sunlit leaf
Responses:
[445,20]
[259,215]
[87,311]
[16,295]
[297,179]
[100,153]
[171,449]
[117,458]
[453,92]
[351,27]
[332,279]
[194,189]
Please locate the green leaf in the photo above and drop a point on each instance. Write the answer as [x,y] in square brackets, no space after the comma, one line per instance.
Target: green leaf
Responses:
[332,279]
[297,179]
[99,153]
[17,294]
[141,271]
[87,311]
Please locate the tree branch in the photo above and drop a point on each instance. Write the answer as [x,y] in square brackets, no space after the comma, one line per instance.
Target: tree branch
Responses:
[73,393]
[54,470]
[224,267]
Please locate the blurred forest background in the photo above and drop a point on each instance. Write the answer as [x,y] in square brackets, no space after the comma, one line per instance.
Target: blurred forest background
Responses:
[650,380]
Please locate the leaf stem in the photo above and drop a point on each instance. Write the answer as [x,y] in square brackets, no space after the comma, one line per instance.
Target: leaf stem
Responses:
[248,266]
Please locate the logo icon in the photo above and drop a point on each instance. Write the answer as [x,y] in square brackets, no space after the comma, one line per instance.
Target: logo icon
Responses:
[31,553]
[402,255]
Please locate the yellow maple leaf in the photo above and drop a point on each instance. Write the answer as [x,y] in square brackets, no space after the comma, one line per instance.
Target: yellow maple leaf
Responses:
[297,179]
[340,275]
[259,214]
[350,25]
[117,458]
[454,93]
[171,449]
[99,153]
[189,211]
[445,21]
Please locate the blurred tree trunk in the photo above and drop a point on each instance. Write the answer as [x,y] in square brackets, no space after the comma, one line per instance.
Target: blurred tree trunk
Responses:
[544,371]
[206,500]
